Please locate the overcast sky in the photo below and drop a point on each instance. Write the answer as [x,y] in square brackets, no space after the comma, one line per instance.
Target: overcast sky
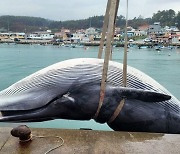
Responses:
[81,9]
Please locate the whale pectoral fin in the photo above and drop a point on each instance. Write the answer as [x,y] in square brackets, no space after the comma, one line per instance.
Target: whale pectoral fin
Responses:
[143,95]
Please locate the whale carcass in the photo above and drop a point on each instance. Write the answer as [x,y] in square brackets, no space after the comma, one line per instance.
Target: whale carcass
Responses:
[70,90]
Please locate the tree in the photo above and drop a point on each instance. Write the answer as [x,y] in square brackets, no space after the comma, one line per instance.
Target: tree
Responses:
[165,17]
[177,20]
[120,21]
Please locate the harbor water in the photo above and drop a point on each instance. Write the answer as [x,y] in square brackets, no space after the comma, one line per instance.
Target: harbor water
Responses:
[19,61]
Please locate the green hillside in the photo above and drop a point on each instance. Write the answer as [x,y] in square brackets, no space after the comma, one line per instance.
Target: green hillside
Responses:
[29,24]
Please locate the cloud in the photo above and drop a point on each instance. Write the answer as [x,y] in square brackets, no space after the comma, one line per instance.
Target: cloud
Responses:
[80,9]
[146,8]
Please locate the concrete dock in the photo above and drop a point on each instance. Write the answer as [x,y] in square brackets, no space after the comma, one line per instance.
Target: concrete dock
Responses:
[90,142]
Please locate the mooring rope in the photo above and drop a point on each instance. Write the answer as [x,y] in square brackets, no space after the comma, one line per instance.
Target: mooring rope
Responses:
[33,137]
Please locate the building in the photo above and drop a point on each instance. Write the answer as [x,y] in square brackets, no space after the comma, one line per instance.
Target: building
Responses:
[77,37]
[141,31]
[171,29]
[175,36]
[41,35]
[154,29]
[12,35]
[90,31]
[64,34]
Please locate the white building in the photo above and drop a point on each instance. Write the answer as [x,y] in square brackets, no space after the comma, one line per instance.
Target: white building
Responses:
[12,35]
[90,31]
[44,35]
[171,29]
[140,32]
[77,37]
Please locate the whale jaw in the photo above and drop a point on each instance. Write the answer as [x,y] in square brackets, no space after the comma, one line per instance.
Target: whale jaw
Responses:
[36,115]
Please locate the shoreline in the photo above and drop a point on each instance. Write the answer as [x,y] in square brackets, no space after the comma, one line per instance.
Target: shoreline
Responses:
[95,43]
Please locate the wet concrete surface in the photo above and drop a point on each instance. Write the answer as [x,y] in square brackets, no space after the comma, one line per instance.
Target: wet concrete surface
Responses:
[89,142]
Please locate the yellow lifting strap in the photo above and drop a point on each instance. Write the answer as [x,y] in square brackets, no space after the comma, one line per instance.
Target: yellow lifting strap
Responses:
[125,51]
[111,18]
[109,26]
[117,111]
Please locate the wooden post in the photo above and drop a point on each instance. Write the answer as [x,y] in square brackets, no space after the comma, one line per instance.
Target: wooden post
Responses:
[112,16]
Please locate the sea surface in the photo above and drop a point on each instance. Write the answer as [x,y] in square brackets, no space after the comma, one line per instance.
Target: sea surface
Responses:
[19,61]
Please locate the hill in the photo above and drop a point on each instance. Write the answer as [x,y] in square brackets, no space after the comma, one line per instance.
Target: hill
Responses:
[29,24]
[23,23]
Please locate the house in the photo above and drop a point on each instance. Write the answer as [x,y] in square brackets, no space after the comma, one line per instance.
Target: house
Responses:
[12,35]
[174,29]
[64,34]
[85,40]
[141,31]
[77,37]
[130,31]
[117,37]
[154,29]
[20,35]
[90,31]
[4,35]
[171,29]
[117,30]
[175,36]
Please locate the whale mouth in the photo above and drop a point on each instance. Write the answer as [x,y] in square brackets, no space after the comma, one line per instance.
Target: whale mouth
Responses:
[22,113]
[34,115]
